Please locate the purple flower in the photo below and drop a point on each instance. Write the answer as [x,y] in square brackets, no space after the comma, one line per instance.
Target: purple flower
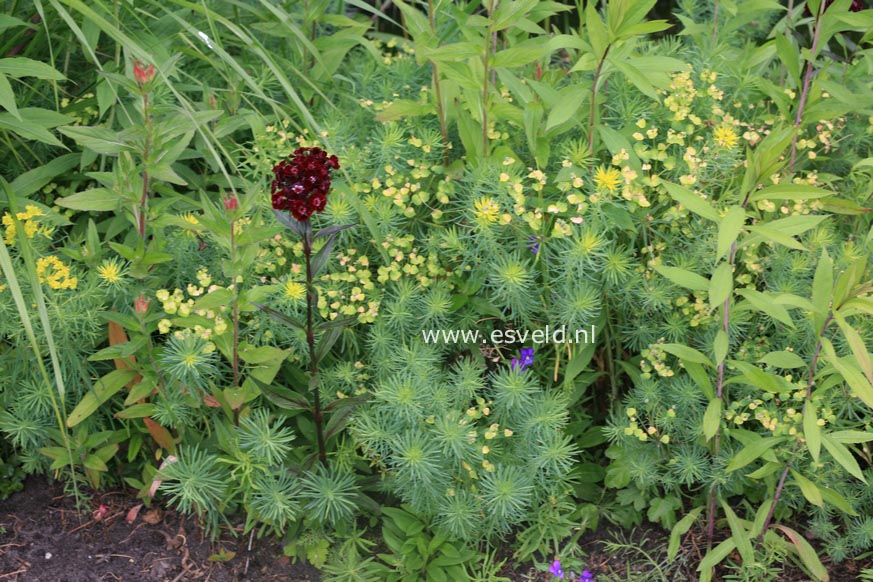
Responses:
[586,576]
[555,568]
[523,363]
[533,243]
[302,182]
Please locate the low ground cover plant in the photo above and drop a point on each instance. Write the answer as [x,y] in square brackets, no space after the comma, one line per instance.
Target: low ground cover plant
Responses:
[283,267]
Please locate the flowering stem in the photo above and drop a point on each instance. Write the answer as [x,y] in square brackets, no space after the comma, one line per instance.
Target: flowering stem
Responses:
[441,114]
[144,200]
[235,308]
[594,100]
[310,340]
[807,81]
[810,380]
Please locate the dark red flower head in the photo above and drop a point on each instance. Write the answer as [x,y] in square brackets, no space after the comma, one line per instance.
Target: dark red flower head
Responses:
[302,182]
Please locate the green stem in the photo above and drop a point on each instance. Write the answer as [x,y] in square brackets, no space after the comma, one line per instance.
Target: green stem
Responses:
[594,100]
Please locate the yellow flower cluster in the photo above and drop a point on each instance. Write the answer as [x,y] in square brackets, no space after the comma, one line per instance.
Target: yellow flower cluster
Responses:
[32,226]
[651,431]
[56,274]
[654,359]
[204,323]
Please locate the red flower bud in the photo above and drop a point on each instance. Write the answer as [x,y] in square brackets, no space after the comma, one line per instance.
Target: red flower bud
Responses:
[302,182]
[231,203]
[141,304]
[142,73]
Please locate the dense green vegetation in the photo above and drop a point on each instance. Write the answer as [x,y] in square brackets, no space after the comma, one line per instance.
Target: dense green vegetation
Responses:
[694,192]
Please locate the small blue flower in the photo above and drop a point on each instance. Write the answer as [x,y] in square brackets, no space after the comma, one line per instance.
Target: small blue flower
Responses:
[533,243]
[523,363]
[556,569]
[586,576]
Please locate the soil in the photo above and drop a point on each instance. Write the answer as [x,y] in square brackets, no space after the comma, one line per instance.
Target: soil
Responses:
[44,539]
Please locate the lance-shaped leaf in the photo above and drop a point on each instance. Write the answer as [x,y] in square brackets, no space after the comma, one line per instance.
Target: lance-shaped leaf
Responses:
[729,229]
[102,391]
[327,341]
[279,316]
[331,230]
[299,228]
[684,278]
[753,451]
[323,255]
[283,397]
[692,201]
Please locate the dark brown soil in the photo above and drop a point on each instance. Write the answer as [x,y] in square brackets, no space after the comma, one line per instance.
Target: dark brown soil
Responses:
[46,540]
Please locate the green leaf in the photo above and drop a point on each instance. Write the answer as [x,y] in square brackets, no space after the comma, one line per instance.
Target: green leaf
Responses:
[807,554]
[783,359]
[721,285]
[686,353]
[95,199]
[812,431]
[692,201]
[822,286]
[729,229]
[680,529]
[808,488]
[838,501]
[24,67]
[7,97]
[853,376]
[859,348]
[766,303]
[752,452]
[567,105]
[851,437]
[789,192]
[720,346]
[101,140]
[104,389]
[713,557]
[597,33]
[739,535]
[518,55]
[137,411]
[404,108]
[843,456]
[26,124]
[762,379]
[712,418]
[777,236]
[635,76]
[684,278]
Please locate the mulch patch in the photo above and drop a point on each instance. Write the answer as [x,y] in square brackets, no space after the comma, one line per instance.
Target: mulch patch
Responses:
[46,540]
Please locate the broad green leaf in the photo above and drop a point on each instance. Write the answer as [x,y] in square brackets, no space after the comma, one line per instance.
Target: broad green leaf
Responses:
[95,199]
[859,348]
[729,229]
[807,554]
[837,500]
[567,105]
[721,285]
[686,353]
[783,359]
[692,201]
[101,140]
[739,535]
[752,452]
[681,528]
[635,76]
[714,557]
[7,97]
[766,303]
[104,389]
[776,236]
[684,278]
[812,431]
[789,56]
[853,376]
[843,456]
[24,67]
[518,56]
[789,192]
[597,33]
[32,180]
[851,437]
[762,379]
[25,124]
[712,418]
[137,411]
[822,286]
[808,488]
[720,346]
